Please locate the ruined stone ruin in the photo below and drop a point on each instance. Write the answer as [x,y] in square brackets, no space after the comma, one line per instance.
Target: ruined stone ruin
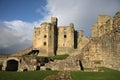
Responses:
[49,39]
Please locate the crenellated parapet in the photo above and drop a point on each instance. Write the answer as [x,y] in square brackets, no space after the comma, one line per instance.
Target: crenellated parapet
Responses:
[102,26]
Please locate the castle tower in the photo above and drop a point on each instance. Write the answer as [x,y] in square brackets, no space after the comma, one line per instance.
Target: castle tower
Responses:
[65,38]
[45,38]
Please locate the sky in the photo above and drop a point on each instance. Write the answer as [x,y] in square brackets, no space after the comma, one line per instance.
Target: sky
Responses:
[19,17]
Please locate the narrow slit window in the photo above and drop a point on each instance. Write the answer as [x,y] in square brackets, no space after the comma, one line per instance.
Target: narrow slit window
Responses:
[65,36]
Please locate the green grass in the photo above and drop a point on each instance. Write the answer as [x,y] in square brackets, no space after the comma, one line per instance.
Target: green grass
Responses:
[108,74]
[31,75]
[60,57]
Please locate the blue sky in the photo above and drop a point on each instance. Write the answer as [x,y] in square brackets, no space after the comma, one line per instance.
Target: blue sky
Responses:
[18,18]
[25,10]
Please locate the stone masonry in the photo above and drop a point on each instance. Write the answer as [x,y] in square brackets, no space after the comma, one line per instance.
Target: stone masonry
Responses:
[104,46]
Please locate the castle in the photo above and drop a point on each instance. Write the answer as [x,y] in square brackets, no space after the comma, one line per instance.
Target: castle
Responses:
[52,40]
[101,49]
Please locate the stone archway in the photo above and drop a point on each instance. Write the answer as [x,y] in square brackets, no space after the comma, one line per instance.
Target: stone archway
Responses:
[12,65]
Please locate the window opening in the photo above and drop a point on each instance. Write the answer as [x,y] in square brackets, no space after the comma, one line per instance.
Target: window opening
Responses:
[45,36]
[65,36]
[44,43]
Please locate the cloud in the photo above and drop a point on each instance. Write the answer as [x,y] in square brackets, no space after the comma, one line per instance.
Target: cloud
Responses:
[15,35]
[21,28]
[83,13]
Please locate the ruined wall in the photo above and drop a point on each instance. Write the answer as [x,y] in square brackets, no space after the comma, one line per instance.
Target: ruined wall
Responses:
[110,49]
[104,50]
[111,45]
[83,42]
[95,30]
[102,19]
[102,26]
[91,55]
[23,63]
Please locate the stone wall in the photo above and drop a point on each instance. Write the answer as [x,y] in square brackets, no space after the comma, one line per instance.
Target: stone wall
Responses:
[102,26]
[24,63]
[71,63]
[104,49]
[111,50]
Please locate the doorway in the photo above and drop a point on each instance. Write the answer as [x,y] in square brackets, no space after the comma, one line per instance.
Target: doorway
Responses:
[12,65]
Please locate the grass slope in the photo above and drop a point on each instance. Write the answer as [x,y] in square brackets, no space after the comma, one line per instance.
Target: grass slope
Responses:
[108,74]
[31,75]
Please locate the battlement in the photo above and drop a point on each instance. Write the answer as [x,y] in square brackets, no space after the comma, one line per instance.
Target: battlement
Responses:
[102,19]
[105,25]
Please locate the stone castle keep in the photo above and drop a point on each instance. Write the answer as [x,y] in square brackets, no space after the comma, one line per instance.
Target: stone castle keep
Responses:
[102,49]
[52,40]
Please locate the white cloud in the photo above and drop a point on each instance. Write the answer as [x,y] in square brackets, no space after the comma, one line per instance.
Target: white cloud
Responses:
[20,27]
[83,13]
[15,35]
